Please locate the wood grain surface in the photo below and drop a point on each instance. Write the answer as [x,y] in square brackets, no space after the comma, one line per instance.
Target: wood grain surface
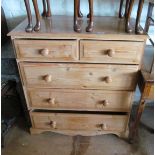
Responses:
[56,27]
[79,76]
[53,50]
[121,52]
[86,100]
[54,121]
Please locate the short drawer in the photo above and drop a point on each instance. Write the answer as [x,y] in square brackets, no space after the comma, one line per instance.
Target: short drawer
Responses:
[111,51]
[79,76]
[71,121]
[47,50]
[88,100]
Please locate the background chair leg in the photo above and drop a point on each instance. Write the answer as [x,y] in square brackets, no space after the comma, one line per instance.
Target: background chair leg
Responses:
[77,27]
[128,29]
[149,15]
[121,14]
[48,14]
[37,26]
[44,8]
[89,28]
[138,29]
[29,27]
[80,15]
[126,8]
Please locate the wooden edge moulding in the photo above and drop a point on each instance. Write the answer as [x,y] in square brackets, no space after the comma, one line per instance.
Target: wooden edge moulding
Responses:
[78,15]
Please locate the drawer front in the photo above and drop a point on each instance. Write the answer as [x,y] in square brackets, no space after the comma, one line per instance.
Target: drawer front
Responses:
[93,100]
[80,76]
[111,51]
[58,50]
[64,121]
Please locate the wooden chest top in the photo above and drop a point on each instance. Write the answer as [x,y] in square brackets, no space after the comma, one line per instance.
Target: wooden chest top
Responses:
[61,27]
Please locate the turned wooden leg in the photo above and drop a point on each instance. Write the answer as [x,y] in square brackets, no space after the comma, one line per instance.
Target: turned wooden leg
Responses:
[128,29]
[126,8]
[80,15]
[29,27]
[37,26]
[44,8]
[77,27]
[135,124]
[88,15]
[89,28]
[138,29]
[148,18]
[121,14]
[48,14]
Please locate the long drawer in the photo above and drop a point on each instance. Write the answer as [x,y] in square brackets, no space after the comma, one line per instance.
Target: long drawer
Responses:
[79,76]
[122,52]
[89,122]
[88,100]
[47,50]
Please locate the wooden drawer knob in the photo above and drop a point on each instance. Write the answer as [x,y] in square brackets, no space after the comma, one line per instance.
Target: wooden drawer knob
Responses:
[103,126]
[52,124]
[111,52]
[105,103]
[48,78]
[51,101]
[44,52]
[108,79]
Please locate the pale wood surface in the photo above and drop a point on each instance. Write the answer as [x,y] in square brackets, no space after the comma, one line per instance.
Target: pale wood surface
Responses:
[106,28]
[80,83]
[149,91]
[100,51]
[151,94]
[124,52]
[88,100]
[57,50]
[81,132]
[64,121]
[80,76]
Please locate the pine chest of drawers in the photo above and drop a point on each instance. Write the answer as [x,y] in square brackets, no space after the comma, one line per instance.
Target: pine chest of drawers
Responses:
[78,83]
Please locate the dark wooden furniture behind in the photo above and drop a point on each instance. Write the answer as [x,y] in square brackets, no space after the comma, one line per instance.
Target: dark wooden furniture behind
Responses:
[46,13]
[128,9]
[77,14]
[149,20]
[146,86]
[146,78]
[138,28]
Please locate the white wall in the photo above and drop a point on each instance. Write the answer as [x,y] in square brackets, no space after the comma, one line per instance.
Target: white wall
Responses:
[15,9]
